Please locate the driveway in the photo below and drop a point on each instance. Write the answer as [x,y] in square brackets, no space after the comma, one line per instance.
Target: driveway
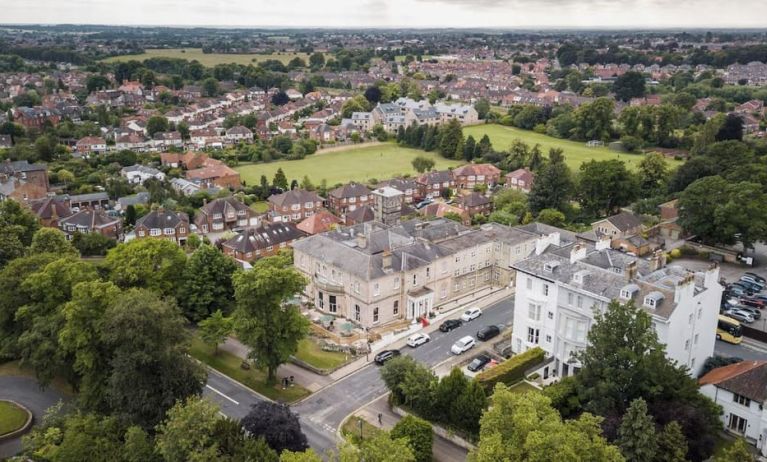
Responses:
[25,391]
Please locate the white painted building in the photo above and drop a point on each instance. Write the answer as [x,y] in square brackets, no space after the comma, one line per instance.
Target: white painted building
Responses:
[564,281]
[741,390]
[138,174]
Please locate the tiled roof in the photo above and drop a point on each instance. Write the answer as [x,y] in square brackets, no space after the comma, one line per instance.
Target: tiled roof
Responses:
[319,222]
[266,235]
[747,378]
[295,196]
[160,219]
[350,190]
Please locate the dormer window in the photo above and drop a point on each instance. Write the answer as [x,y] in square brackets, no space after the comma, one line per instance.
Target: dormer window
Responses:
[550,266]
[628,291]
[653,299]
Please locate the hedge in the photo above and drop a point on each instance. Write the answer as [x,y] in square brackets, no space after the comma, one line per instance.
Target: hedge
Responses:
[511,371]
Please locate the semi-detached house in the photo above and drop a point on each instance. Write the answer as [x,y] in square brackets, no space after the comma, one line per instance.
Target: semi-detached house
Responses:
[294,205]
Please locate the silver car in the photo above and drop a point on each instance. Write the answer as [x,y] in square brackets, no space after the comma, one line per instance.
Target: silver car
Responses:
[740,315]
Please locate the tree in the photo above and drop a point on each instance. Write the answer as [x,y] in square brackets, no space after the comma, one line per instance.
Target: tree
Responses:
[19,220]
[280,180]
[737,451]
[65,176]
[373,94]
[672,445]
[381,447]
[11,246]
[307,456]
[553,186]
[469,149]
[51,240]
[187,433]
[215,329]
[210,87]
[552,217]
[280,98]
[604,186]
[593,121]
[270,329]
[524,426]
[629,85]
[206,285]
[151,369]
[419,435]
[482,106]
[317,60]
[92,244]
[154,264]
[277,424]
[636,435]
[451,136]
[422,164]
[731,129]
[156,124]
[653,175]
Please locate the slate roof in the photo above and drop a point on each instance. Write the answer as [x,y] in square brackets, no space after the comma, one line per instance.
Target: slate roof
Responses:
[746,378]
[160,219]
[11,167]
[134,199]
[474,200]
[350,190]
[295,196]
[223,205]
[361,214]
[44,208]
[624,221]
[89,219]
[268,234]
[435,177]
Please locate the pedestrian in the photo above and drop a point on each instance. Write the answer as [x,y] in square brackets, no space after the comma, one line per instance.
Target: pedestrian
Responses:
[380,419]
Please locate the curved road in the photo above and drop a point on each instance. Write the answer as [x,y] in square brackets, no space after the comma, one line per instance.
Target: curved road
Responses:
[25,391]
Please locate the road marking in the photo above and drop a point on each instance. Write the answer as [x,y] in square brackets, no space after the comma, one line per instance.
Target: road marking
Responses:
[218,392]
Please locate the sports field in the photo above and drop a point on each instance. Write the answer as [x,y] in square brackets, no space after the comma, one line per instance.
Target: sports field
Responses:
[576,152]
[209,59]
[354,164]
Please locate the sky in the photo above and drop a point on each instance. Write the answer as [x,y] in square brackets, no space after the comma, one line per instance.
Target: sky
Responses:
[393,13]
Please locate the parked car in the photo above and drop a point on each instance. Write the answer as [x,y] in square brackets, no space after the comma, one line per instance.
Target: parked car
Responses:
[759,297]
[423,203]
[752,286]
[386,355]
[739,290]
[754,311]
[471,313]
[740,315]
[756,277]
[450,324]
[752,302]
[748,280]
[478,363]
[417,340]
[462,345]
[488,332]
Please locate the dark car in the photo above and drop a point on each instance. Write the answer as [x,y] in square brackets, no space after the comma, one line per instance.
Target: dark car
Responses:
[488,332]
[739,289]
[450,324]
[478,363]
[758,278]
[386,355]
[750,286]
[752,302]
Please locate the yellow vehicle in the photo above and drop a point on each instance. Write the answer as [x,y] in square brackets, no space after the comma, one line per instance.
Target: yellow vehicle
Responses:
[729,330]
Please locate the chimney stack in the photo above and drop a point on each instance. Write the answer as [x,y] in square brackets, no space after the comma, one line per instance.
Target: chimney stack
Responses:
[362,240]
[387,260]
[577,253]
[631,271]
[655,261]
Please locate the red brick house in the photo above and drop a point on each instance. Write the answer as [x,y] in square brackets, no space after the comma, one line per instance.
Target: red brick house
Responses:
[164,224]
[520,179]
[295,205]
[266,240]
[475,203]
[470,175]
[212,173]
[91,221]
[433,184]
[348,198]
[223,214]
[50,210]
[319,222]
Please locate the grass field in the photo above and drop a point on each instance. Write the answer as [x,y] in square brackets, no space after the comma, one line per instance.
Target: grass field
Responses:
[354,164]
[229,365]
[351,429]
[576,152]
[310,352]
[12,417]
[209,59]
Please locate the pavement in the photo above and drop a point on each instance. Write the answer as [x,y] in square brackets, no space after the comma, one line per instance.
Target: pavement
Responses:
[27,392]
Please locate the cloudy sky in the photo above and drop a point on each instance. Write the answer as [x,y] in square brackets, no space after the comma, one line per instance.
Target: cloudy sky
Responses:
[393,13]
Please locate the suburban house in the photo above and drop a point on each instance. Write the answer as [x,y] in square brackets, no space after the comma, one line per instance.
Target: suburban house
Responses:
[474,203]
[625,231]
[91,221]
[441,210]
[138,174]
[373,274]
[348,197]
[91,145]
[520,179]
[20,190]
[361,214]
[163,224]
[36,117]
[184,187]
[435,183]
[89,201]
[363,121]
[294,205]
[463,113]
[140,198]
[25,172]
[223,214]
[239,133]
[214,172]
[263,241]
[561,284]
[320,222]
[50,210]
[408,187]
[741,390]
[470,175]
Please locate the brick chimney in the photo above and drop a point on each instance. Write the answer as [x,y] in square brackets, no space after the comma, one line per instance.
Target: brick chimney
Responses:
[631,271]
[362,240]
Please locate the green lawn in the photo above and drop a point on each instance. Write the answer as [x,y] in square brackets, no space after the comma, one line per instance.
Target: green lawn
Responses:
[209,59]
[310,352]
[354,164]
[576,152]
[12,417]
[260,207]
[351,428]
[12,369]
[229,364]
[522,387]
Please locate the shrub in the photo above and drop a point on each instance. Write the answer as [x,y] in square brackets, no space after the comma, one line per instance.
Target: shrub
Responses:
[676,253]
[418,434]
[511,371]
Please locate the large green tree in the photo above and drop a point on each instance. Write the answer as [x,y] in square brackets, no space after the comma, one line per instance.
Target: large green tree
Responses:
[207,283]
[653,175]
[419,436]
[636,434]
[629,85]
[263,320]
[51,240]
[18,219]
[672,445]
[604,186]
[553,186]
[154,264]
[215,329]
[593,121]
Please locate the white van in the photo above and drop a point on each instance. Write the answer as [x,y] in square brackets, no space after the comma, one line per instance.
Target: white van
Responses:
[464,344]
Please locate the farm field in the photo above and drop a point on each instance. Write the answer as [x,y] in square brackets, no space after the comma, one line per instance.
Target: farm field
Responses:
[210,59]
[354,164]
[576,152]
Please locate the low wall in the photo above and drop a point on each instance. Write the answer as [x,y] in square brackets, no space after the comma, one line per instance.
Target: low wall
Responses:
[714,253]
[752,333]
[441,431]
[24,428]
[316,370]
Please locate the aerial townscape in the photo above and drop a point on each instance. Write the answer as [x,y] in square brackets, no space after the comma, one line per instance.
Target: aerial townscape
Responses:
[402,231]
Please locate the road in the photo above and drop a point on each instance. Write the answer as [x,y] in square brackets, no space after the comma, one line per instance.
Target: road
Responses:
[323,412]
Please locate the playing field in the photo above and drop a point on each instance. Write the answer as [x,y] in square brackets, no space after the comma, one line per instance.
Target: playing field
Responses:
[209,59]
[576,152]
[354,164]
